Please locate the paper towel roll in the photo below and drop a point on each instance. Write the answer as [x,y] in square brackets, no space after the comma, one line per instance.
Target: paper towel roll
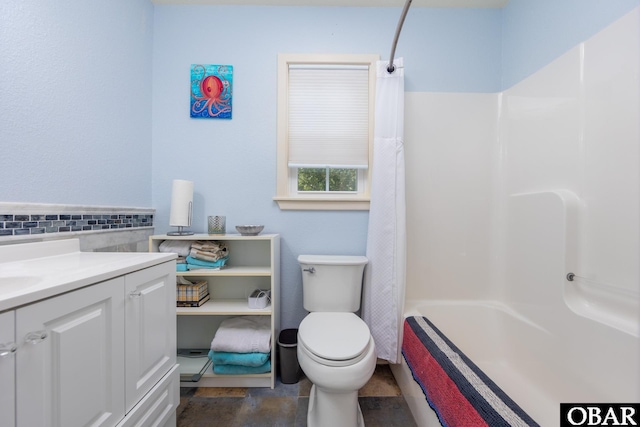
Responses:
[181,203]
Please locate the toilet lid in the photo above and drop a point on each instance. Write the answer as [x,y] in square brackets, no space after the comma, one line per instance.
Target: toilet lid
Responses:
[334,336]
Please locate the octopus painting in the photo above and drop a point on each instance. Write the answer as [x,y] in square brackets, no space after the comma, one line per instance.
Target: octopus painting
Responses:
[211,91]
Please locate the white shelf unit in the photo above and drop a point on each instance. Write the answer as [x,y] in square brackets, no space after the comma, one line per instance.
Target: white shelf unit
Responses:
[254,263]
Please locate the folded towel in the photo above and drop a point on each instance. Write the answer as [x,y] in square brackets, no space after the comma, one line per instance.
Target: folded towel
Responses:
[243,334]
[242,359]
[180,247]
[242,370]
[207,256]
[194,263]
[181,267]
[208,251]
[206,245]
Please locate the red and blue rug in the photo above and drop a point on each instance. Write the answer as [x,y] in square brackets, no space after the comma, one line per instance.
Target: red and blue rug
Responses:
[457,390]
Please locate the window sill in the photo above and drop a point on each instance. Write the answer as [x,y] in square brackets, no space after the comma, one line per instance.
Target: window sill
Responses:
[322,204]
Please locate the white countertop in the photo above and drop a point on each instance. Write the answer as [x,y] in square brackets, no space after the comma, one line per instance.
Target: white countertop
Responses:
[33,271]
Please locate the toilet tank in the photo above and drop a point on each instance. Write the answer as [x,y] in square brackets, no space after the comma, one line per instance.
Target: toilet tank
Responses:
[332,282]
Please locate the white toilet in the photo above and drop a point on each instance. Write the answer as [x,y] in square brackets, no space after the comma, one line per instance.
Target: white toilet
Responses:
[335,348]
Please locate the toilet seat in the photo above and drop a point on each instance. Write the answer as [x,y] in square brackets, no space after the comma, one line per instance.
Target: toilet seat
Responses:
[334,339]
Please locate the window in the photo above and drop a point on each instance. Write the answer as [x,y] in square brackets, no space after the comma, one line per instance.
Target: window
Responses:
[325,131]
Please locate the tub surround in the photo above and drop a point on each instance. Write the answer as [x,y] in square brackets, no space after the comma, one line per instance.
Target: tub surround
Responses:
[543,241]
[499,230]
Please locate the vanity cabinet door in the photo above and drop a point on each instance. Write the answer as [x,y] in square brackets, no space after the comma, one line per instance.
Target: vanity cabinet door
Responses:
[7,370]
[70,361]
[150,328]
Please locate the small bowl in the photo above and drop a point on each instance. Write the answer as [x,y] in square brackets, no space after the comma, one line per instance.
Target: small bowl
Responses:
[249,230]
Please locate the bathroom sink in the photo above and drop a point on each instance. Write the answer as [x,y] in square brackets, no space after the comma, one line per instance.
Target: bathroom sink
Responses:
[10,284]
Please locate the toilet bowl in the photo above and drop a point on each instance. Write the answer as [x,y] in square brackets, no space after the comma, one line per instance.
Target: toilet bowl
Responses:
[337,354]
[335,347]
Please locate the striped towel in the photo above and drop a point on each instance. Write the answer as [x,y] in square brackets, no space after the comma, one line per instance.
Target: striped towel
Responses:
[457,390]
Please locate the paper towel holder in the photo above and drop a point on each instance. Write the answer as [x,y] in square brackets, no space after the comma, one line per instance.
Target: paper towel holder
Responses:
[181,207]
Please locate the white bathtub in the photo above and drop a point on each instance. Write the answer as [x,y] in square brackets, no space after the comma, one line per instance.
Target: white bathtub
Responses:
[581,361]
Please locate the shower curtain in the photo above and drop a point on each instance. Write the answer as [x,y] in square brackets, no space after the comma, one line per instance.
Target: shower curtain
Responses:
[384,279]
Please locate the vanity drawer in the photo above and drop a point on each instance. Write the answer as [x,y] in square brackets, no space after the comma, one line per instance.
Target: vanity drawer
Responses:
[158,407]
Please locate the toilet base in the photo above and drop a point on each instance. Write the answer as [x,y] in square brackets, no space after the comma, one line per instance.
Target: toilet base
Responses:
[333,409]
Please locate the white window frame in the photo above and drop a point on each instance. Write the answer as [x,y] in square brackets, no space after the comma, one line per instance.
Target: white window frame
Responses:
[287,195]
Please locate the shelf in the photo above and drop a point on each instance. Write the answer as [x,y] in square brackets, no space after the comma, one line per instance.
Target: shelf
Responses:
[212,375]
[254,263]
[223,307]
[198,371]
[212,380]
[228,271]
[233,236]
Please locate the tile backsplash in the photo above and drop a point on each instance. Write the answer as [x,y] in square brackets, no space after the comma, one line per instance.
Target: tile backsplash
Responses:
[99,228]
[29,224]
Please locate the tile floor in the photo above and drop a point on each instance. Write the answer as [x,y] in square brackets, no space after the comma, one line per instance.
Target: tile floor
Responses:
[286,405]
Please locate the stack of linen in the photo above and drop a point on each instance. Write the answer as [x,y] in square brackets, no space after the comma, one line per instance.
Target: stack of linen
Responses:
[242,345]
[180,247]
[196,255]
[207,254]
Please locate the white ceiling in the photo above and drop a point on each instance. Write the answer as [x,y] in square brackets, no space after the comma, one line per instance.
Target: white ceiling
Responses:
[349,3]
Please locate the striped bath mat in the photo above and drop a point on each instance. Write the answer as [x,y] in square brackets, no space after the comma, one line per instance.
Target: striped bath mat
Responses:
[459,392]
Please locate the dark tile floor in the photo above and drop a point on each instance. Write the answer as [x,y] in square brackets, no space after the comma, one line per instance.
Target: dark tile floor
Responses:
[286,405]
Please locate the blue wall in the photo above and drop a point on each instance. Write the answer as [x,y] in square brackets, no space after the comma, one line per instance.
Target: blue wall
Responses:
[535,32]
[232,162]
[75,111]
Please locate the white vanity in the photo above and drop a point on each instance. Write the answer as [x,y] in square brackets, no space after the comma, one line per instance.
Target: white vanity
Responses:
[86,338]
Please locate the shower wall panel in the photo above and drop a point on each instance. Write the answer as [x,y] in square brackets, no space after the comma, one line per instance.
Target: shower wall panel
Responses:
[451,141]
[574,125]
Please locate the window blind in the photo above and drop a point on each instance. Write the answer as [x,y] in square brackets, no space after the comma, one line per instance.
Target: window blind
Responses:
[328,116]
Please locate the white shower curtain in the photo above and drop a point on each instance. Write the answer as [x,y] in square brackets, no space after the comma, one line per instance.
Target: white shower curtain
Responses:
[384,280]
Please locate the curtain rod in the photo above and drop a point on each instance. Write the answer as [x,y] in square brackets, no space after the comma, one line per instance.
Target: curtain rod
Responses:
[391,68]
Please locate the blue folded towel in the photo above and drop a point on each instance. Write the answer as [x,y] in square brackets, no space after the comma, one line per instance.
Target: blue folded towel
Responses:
[194,263]
[242,359]
[242,370]
[181,267]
